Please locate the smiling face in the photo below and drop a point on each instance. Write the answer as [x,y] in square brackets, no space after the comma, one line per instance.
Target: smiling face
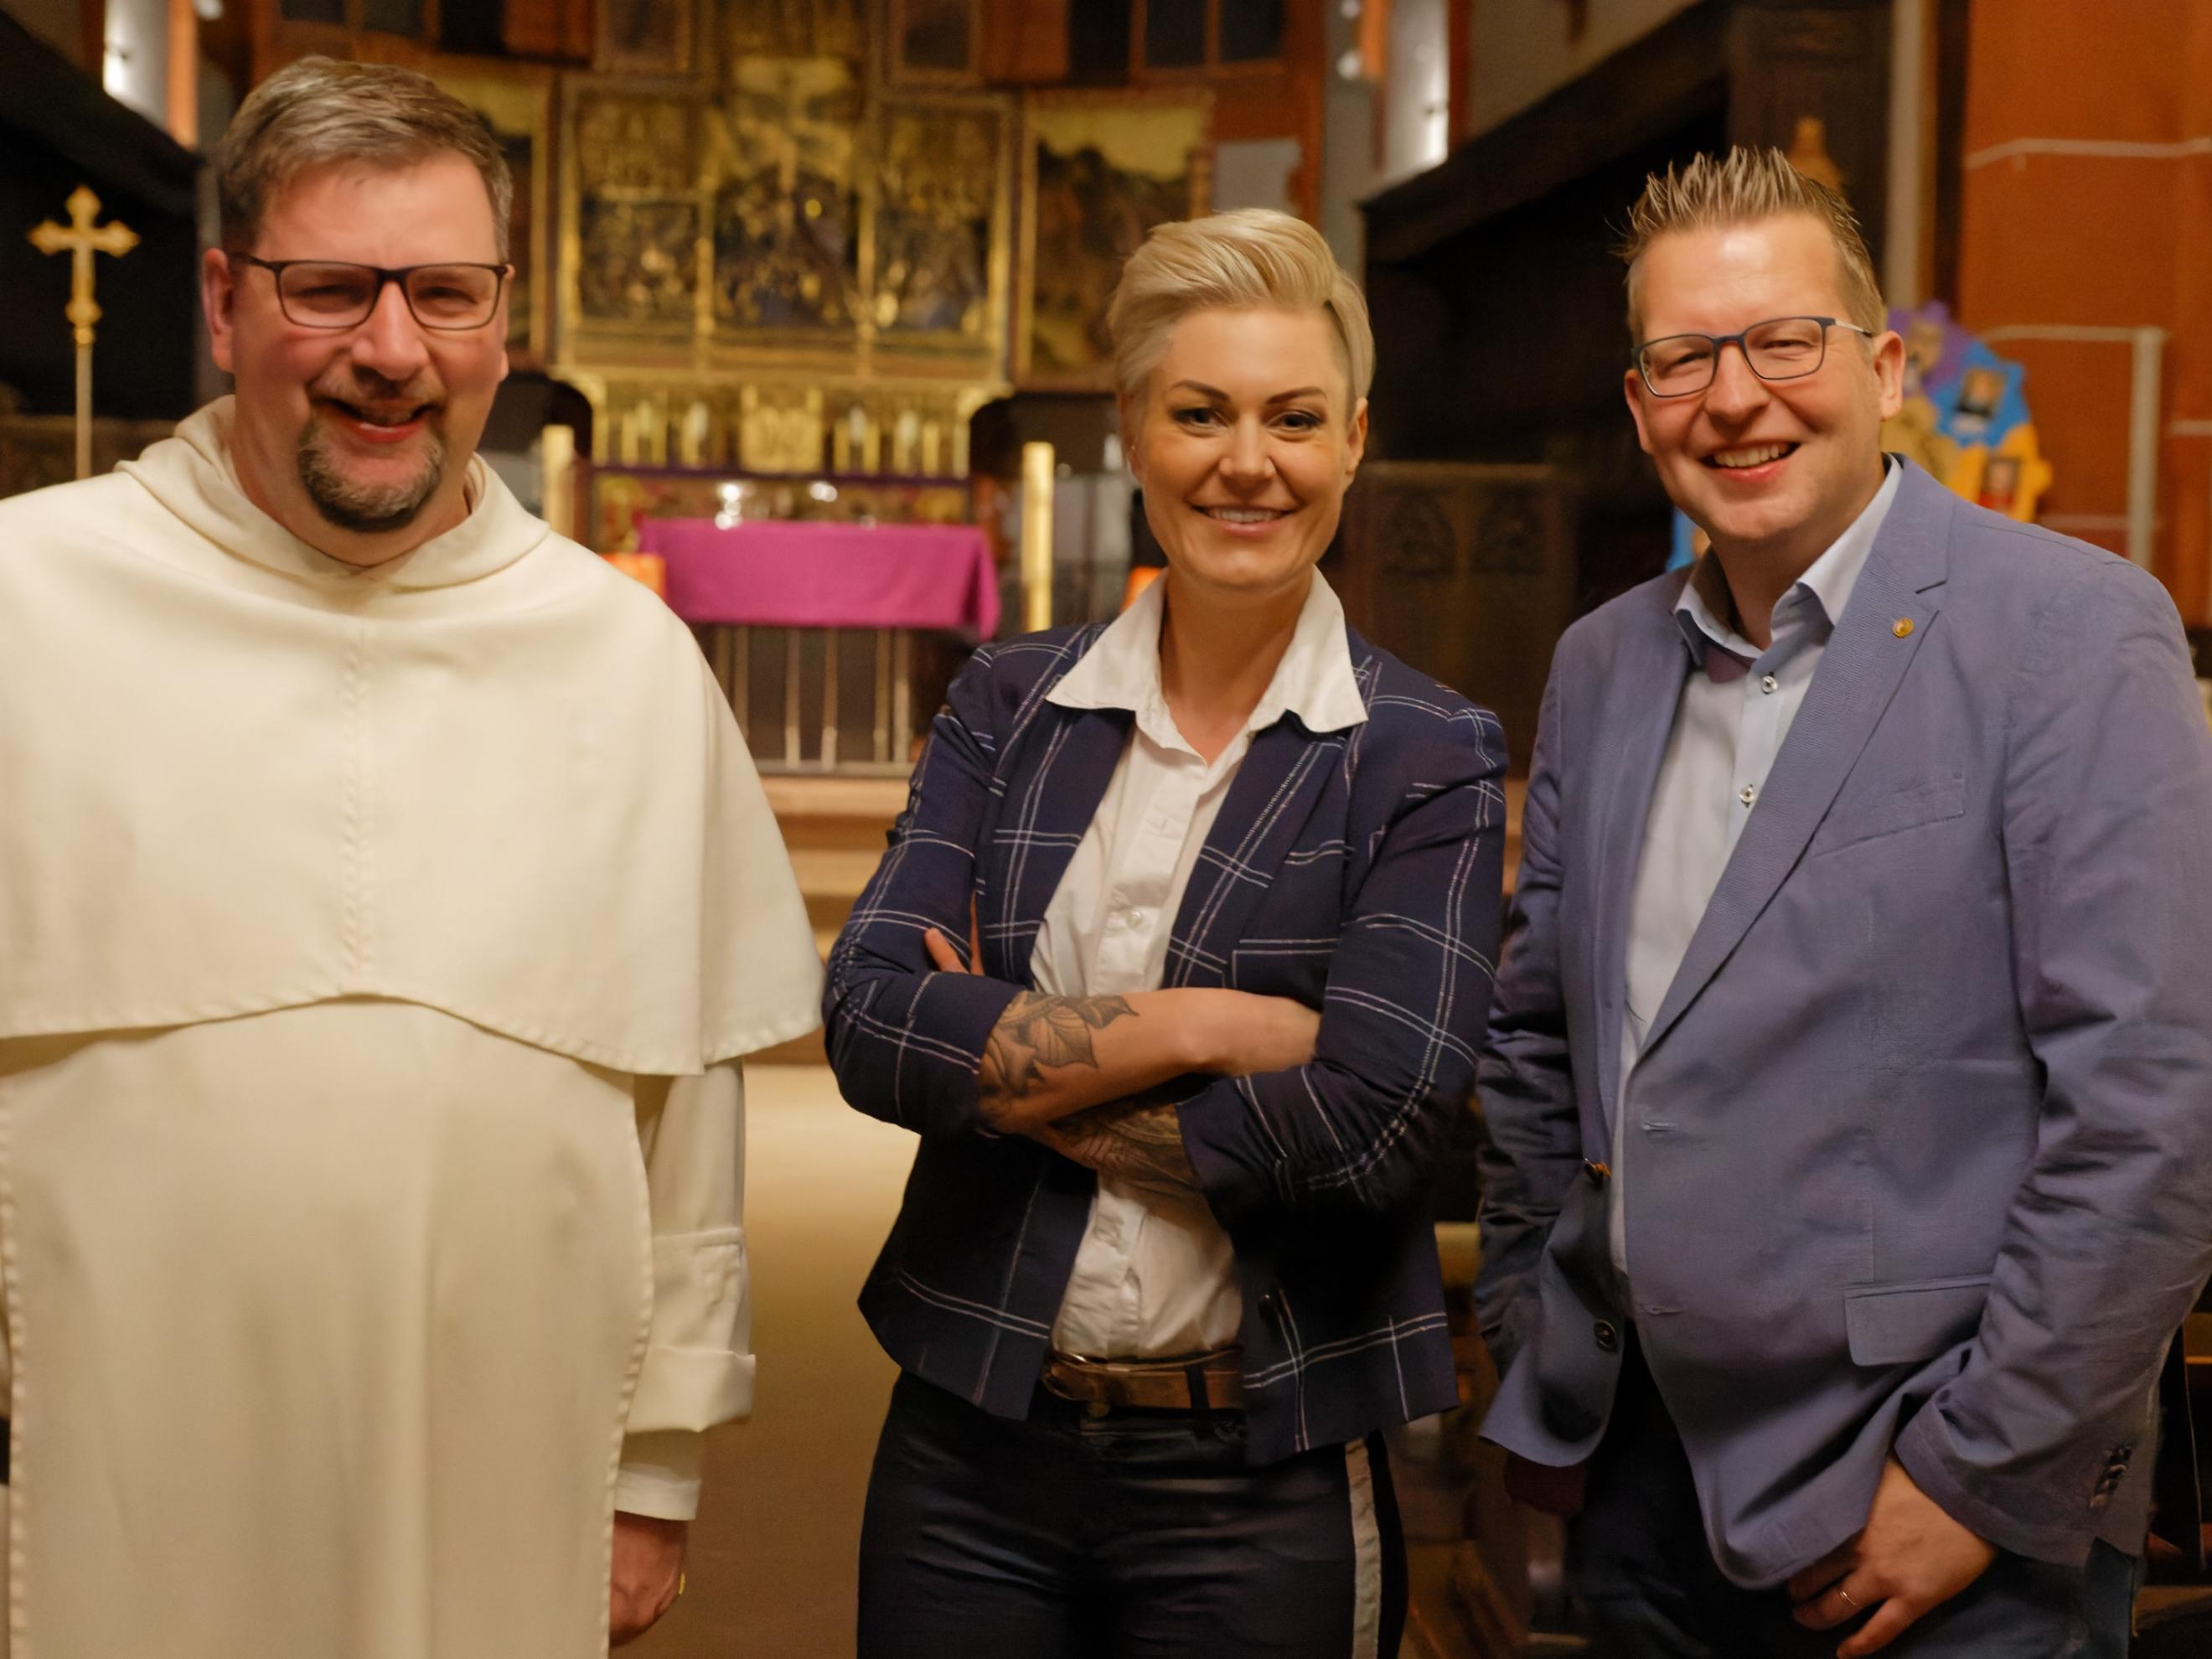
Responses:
[357,440]
[1772,468]
[1244,441]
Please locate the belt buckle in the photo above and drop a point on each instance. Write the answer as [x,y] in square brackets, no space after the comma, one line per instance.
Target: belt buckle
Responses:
[1056,1387]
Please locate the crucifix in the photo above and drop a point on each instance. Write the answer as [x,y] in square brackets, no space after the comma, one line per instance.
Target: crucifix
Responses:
[81,239]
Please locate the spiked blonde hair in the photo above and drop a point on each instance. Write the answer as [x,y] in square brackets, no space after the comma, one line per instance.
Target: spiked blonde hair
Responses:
[1745,185]
[1251,260]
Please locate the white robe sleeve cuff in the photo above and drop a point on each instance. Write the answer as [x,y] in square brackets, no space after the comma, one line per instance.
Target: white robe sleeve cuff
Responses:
[660,1475]
[698,1369]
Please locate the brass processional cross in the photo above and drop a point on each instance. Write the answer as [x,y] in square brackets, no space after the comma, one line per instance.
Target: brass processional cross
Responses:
[80,240]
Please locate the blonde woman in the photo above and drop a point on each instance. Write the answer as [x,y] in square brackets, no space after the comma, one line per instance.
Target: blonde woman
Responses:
[1176,966]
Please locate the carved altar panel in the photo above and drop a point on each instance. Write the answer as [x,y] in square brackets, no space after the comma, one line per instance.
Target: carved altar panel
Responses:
[647,36]
[793,28]
[517,106]
[779,425]
[781,163]
[939,236]
[781,217]
[630,250]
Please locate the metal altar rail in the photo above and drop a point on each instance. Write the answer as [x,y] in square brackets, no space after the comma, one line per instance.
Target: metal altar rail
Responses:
[819,700]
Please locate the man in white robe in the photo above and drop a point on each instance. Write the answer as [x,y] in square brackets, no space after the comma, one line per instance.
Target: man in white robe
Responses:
[386,897]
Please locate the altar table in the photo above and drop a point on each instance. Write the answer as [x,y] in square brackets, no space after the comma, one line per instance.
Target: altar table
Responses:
[775,573]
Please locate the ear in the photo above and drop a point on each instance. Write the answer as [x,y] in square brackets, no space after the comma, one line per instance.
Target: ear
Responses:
[1132,457]
[1886,352]
[1356,440]
[218,297]
[1631,388]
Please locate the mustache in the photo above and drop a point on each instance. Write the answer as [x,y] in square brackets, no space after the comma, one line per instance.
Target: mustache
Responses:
[365,385]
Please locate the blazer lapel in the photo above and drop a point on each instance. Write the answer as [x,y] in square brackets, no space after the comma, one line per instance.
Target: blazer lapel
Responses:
[1066,759]
[1865,660]
[1646,685]
[1277,787]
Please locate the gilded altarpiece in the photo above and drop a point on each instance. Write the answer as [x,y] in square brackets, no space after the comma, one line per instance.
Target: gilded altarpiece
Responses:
[774,267]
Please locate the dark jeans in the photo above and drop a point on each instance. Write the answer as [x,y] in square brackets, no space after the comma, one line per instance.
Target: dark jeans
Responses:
[1140,1534]
[1638,1557]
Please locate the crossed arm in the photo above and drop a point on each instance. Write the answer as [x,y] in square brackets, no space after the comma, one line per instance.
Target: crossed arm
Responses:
[1076,1073]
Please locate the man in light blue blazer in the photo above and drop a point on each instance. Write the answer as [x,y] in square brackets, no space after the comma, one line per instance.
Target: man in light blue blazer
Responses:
[1849,1085]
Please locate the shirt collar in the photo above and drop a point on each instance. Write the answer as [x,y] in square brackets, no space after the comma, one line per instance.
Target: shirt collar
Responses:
[1314,681]
[1825,586]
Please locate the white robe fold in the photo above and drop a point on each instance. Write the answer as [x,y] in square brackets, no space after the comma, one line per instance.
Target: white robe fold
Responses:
[374,948]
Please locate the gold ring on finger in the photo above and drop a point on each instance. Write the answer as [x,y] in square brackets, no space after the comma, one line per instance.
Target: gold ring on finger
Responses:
[1849,1600]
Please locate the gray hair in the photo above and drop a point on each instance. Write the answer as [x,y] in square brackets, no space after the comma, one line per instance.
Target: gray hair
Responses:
[320,111]
[1745,185]
[1252,259]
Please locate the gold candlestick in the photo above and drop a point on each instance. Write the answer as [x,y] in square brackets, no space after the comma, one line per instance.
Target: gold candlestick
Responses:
[80,240]
[1037,536]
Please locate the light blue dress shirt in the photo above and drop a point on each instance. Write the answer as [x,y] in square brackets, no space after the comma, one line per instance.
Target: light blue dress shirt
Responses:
[1735,710]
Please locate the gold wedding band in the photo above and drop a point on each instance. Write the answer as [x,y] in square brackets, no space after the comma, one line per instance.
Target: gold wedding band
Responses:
[679,1584]
[1847,1601]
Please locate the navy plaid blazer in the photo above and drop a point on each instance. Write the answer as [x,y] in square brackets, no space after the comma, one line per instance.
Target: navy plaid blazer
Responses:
[1357,871]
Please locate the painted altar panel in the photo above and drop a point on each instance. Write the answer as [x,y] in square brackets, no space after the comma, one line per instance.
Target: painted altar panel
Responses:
[1098,170]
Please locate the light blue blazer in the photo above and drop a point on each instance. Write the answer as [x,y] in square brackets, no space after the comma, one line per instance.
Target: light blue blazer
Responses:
[1919,1148]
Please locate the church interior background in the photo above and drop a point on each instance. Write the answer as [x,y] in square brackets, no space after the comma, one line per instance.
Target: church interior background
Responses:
[817,278]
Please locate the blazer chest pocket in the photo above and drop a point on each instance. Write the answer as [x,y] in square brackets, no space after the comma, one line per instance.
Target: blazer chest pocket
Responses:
[1931,802]
[1900,1324]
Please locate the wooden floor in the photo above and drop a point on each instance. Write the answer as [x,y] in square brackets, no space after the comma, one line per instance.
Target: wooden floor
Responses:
[772,1568]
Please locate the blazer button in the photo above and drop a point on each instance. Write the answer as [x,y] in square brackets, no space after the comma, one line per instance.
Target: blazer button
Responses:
[1607,1335]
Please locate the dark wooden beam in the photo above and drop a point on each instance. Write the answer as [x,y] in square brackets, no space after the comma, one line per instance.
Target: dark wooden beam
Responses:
[53,101]
[1650,87]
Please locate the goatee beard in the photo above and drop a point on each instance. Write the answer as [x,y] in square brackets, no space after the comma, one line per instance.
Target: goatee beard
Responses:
[365,509]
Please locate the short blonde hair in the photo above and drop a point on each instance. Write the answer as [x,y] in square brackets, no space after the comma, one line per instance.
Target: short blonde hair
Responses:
[1745,185]
[320,111]
[1251,260]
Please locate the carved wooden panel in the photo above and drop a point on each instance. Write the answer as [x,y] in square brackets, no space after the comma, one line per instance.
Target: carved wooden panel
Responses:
[1465,571]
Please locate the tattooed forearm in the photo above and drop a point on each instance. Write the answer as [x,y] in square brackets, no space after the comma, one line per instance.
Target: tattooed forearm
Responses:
[1037,1031]
[1138,1143]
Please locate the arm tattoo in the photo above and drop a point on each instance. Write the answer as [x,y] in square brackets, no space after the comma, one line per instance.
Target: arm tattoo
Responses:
[1038,1030]
[1138,1142]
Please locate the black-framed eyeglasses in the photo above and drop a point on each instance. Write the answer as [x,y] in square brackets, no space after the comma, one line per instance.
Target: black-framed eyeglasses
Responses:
[1779,348]
[331,294]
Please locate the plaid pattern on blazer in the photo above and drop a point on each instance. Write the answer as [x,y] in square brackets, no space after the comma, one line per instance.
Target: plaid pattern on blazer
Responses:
[1357,871]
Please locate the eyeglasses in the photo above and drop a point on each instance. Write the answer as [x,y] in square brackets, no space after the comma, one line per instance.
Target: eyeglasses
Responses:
[1779,348]
[325,293]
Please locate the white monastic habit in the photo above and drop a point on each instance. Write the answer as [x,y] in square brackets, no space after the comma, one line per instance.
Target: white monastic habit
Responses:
[374,949]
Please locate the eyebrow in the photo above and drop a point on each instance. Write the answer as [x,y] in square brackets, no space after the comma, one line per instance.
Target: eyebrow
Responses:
[1219,396]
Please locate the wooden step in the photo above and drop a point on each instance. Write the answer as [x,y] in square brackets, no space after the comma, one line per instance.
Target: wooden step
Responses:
[850,813]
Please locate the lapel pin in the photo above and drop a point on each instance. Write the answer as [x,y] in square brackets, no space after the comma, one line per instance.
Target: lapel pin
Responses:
[1901,627]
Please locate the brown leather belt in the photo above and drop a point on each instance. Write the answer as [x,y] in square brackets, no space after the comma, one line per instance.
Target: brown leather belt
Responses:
[1199,1381]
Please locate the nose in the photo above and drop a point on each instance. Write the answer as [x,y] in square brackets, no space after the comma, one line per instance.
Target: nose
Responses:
[1736,393]
[390,340]
[1247,459]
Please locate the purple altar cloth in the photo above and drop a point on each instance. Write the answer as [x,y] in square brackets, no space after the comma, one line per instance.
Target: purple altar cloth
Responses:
[776,573]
